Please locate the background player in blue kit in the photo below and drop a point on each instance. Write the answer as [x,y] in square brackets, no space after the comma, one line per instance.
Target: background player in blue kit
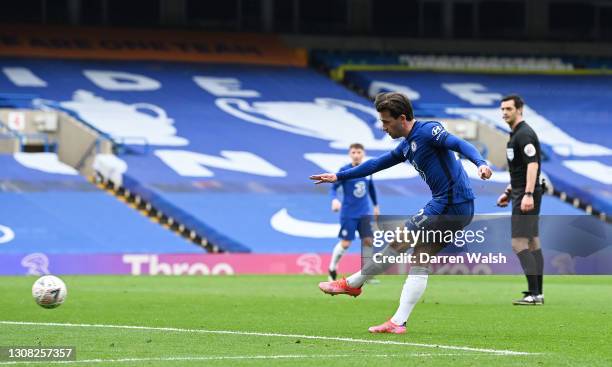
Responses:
[429,148]
[356,195]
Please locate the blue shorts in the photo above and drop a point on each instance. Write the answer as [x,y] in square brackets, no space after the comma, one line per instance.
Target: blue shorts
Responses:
[348,227]
[436,215]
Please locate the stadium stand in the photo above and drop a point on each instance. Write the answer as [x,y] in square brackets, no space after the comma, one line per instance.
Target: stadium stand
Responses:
[338,62]
[47,207]
[569,113]
[223,152]
[469,86]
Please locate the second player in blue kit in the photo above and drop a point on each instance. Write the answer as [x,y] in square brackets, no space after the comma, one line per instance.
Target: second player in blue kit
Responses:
[354,208]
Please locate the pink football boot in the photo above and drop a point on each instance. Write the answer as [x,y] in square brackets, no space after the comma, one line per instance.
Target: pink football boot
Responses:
[339,287]
[388,327]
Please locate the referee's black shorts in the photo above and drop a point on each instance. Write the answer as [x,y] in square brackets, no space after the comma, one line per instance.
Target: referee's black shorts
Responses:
[525,224]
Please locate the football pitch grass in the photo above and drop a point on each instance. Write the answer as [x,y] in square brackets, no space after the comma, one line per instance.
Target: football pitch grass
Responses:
[287,321]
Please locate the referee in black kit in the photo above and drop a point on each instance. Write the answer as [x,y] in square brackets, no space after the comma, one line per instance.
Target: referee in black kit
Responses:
[525,192]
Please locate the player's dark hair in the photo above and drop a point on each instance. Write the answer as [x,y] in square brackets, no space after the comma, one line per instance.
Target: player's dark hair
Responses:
[396,103]
[356,146]
[518,101]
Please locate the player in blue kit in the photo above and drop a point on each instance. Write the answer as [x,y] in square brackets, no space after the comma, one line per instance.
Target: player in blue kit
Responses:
[356,196]
[429,148]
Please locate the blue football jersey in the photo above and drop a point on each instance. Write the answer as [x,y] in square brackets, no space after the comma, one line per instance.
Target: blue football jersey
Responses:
[437,165]
[357,193]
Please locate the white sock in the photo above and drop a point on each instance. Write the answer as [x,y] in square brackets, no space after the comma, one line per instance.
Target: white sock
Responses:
[414,287]
[336,256]
[356,280]
[370,269]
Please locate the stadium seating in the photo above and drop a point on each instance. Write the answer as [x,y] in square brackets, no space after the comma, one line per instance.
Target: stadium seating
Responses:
[477,62]
[48,208]
[570,114]
[227,150]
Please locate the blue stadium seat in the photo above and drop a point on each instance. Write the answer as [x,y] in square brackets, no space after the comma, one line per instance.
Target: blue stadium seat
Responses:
[230,148]
[62,213]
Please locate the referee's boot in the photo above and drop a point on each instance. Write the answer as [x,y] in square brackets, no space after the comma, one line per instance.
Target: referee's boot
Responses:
[529,300]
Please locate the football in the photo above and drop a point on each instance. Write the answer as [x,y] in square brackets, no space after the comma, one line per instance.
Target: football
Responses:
[49,291]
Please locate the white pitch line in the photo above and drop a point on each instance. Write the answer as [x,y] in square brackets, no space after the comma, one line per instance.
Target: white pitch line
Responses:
[252,333]
[221,358]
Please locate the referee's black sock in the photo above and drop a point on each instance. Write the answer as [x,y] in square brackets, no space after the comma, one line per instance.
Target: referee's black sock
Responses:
[539,259]
[528,263]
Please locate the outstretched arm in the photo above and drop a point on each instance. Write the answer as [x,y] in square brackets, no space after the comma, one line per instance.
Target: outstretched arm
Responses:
[365,169]
[372,166]
[468,150]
